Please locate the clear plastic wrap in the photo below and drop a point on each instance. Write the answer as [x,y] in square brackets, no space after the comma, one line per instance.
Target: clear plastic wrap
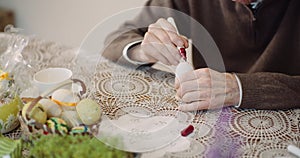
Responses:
[15,72]
[15,76]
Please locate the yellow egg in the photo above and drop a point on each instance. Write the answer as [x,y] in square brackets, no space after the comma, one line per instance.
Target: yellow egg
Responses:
[37,113]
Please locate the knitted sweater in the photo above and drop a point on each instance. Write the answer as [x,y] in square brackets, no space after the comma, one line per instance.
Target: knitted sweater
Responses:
[261,47]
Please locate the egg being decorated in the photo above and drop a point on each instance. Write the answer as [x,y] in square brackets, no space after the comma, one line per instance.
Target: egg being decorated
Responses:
[51,108]
[66,99]
[89,111]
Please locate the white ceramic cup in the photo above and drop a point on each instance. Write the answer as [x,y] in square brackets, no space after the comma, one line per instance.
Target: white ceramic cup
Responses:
[51,77]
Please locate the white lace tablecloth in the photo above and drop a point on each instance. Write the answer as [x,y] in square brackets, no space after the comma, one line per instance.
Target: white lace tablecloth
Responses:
[229,132]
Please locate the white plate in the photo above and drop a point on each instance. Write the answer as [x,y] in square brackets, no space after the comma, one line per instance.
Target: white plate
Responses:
[140,131]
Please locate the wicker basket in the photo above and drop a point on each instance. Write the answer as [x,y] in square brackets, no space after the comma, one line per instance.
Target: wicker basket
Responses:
[30,127]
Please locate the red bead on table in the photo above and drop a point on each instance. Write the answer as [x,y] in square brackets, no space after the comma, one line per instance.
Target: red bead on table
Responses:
[182,53]
[187,131]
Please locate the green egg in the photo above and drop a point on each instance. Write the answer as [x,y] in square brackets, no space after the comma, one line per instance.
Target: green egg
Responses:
[89,111]
[37,113]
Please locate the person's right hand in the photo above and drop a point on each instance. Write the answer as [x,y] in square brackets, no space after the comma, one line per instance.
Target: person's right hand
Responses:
[160,44]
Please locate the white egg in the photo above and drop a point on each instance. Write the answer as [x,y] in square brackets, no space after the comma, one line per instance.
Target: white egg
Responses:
[65,98]
[182,68]
[72,118]
[51,108]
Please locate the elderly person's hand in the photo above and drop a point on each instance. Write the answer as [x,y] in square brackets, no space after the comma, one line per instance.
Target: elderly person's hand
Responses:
[206,89]
[159,44]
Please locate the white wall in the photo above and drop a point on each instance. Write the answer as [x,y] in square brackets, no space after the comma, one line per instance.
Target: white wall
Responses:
[64,21]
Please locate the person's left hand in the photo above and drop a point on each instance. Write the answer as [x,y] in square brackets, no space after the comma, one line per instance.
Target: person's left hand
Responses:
[206,89]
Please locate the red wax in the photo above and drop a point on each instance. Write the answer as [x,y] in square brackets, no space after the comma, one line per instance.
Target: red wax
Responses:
[46,133]
[187,131]
[182,53]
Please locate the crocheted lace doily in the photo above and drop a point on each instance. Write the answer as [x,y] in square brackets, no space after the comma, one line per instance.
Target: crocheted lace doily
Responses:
[149,93]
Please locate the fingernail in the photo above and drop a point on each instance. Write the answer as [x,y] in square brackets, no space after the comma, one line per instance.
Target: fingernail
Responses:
[179,43]
[186,45]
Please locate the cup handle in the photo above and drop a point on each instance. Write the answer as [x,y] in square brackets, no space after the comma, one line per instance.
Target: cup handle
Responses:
[83,91]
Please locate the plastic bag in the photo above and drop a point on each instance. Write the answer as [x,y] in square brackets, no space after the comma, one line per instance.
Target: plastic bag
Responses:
[15,72]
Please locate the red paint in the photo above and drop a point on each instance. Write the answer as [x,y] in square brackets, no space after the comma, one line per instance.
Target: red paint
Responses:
[182,53]
[46,133]
[187,131]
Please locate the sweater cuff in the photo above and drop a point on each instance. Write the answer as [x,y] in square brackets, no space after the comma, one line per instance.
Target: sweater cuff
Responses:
[125,53]
[253,92]
[240,90]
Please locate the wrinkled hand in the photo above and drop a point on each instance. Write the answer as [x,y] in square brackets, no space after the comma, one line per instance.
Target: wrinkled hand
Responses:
[160,44]
[206,89]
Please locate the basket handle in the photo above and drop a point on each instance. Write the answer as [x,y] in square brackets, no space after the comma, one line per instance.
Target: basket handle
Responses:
[49,91]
